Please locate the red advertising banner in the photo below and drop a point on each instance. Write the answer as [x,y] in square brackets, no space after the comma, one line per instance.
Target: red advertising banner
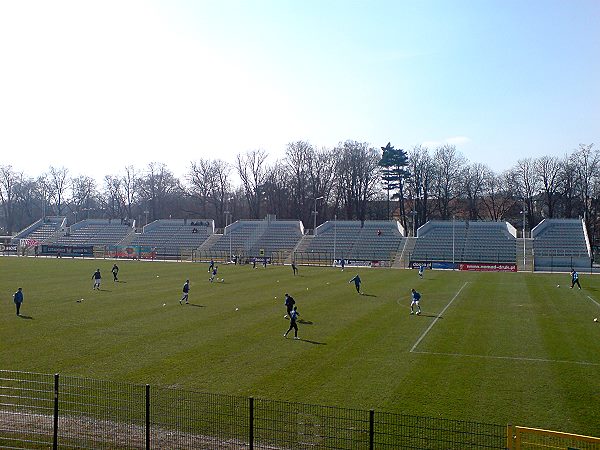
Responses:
[488,267]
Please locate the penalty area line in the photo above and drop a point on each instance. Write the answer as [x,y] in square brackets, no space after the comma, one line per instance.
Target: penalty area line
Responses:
[597,304]
[510,358]
[437,318]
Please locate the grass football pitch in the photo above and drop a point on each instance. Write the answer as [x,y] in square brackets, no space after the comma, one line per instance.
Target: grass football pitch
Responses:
[488,347]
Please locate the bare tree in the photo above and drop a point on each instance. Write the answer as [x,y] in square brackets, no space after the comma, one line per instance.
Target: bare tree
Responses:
[158,189]
[549,171]
[448,164]
[420,183]
[298,158]
[587,165]
[130,185]
[525,185]
[113,198]
[474,178]
[358,174]
[9,182]
[497,198]
[252,170]
[57,182]
[210,186]
[83,193]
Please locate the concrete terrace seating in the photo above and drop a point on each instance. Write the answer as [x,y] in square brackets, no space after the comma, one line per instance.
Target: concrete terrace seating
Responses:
[493,242]
[98,232]
[41,230]
[372,240]
[250,237]
[170,236]
[465,241]
[560,237]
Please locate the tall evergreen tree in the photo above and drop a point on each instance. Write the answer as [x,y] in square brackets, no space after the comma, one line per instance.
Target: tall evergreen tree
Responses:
[394,164]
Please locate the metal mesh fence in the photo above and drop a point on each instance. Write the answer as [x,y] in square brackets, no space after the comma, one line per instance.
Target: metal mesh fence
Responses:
[26,410]
[186,419]
[100,414]
[45,411]
[300,426]
[417,432]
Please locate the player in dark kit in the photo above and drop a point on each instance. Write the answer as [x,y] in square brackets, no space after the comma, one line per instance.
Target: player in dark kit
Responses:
[115,272]
[18,299]
[575,279]
[414,303]
[96,277]
[289,303]
[186,291]
[294,269]
[293,325]
[356,280]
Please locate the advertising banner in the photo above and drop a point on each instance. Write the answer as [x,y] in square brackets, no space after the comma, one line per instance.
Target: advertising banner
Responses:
[488,267]
[68,250]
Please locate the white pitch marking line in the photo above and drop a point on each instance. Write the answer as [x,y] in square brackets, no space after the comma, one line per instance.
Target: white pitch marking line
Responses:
[437,318]
[597,304]
[511,358]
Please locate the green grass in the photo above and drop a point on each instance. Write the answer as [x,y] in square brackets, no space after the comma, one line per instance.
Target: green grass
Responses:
[510,348]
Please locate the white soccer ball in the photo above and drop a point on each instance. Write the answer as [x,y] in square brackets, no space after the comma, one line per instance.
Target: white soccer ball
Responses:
[558,285]
[285,317]
[164,304]
[222,280]
[157,276]
[237,309]
[595,319]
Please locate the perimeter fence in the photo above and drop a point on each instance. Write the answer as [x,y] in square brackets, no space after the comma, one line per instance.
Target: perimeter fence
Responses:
[42,411]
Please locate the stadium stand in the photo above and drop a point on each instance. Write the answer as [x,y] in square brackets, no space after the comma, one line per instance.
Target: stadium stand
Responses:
[371,240]
[95,232]
[561,244]
[465,241]
[42,230]
[170,237]
[259,238]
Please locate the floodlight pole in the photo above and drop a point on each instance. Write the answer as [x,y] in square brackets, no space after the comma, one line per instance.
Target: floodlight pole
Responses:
[334,236]
[523,235]
[453,258]
[315,214]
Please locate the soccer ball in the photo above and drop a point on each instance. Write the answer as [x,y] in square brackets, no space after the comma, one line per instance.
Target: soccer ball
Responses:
[595,319]
[222,280]
[164,304]
[285,317]
[558,285]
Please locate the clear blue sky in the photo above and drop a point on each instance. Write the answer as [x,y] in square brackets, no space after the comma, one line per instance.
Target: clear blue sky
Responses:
[94,86]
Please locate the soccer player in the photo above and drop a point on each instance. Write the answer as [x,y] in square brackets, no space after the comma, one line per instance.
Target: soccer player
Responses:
[356,280]
[575,279]
[18,299]
[289,303]
[214,274]
[294,269]
[414,304]
[421,270]
[186,291]
[115,272]
[293,325]
[96,277]
[211,265]
[343,263]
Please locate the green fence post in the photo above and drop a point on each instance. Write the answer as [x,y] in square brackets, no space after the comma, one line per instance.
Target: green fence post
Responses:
[55,433]
[147,417]
[371,429]
[251,422]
